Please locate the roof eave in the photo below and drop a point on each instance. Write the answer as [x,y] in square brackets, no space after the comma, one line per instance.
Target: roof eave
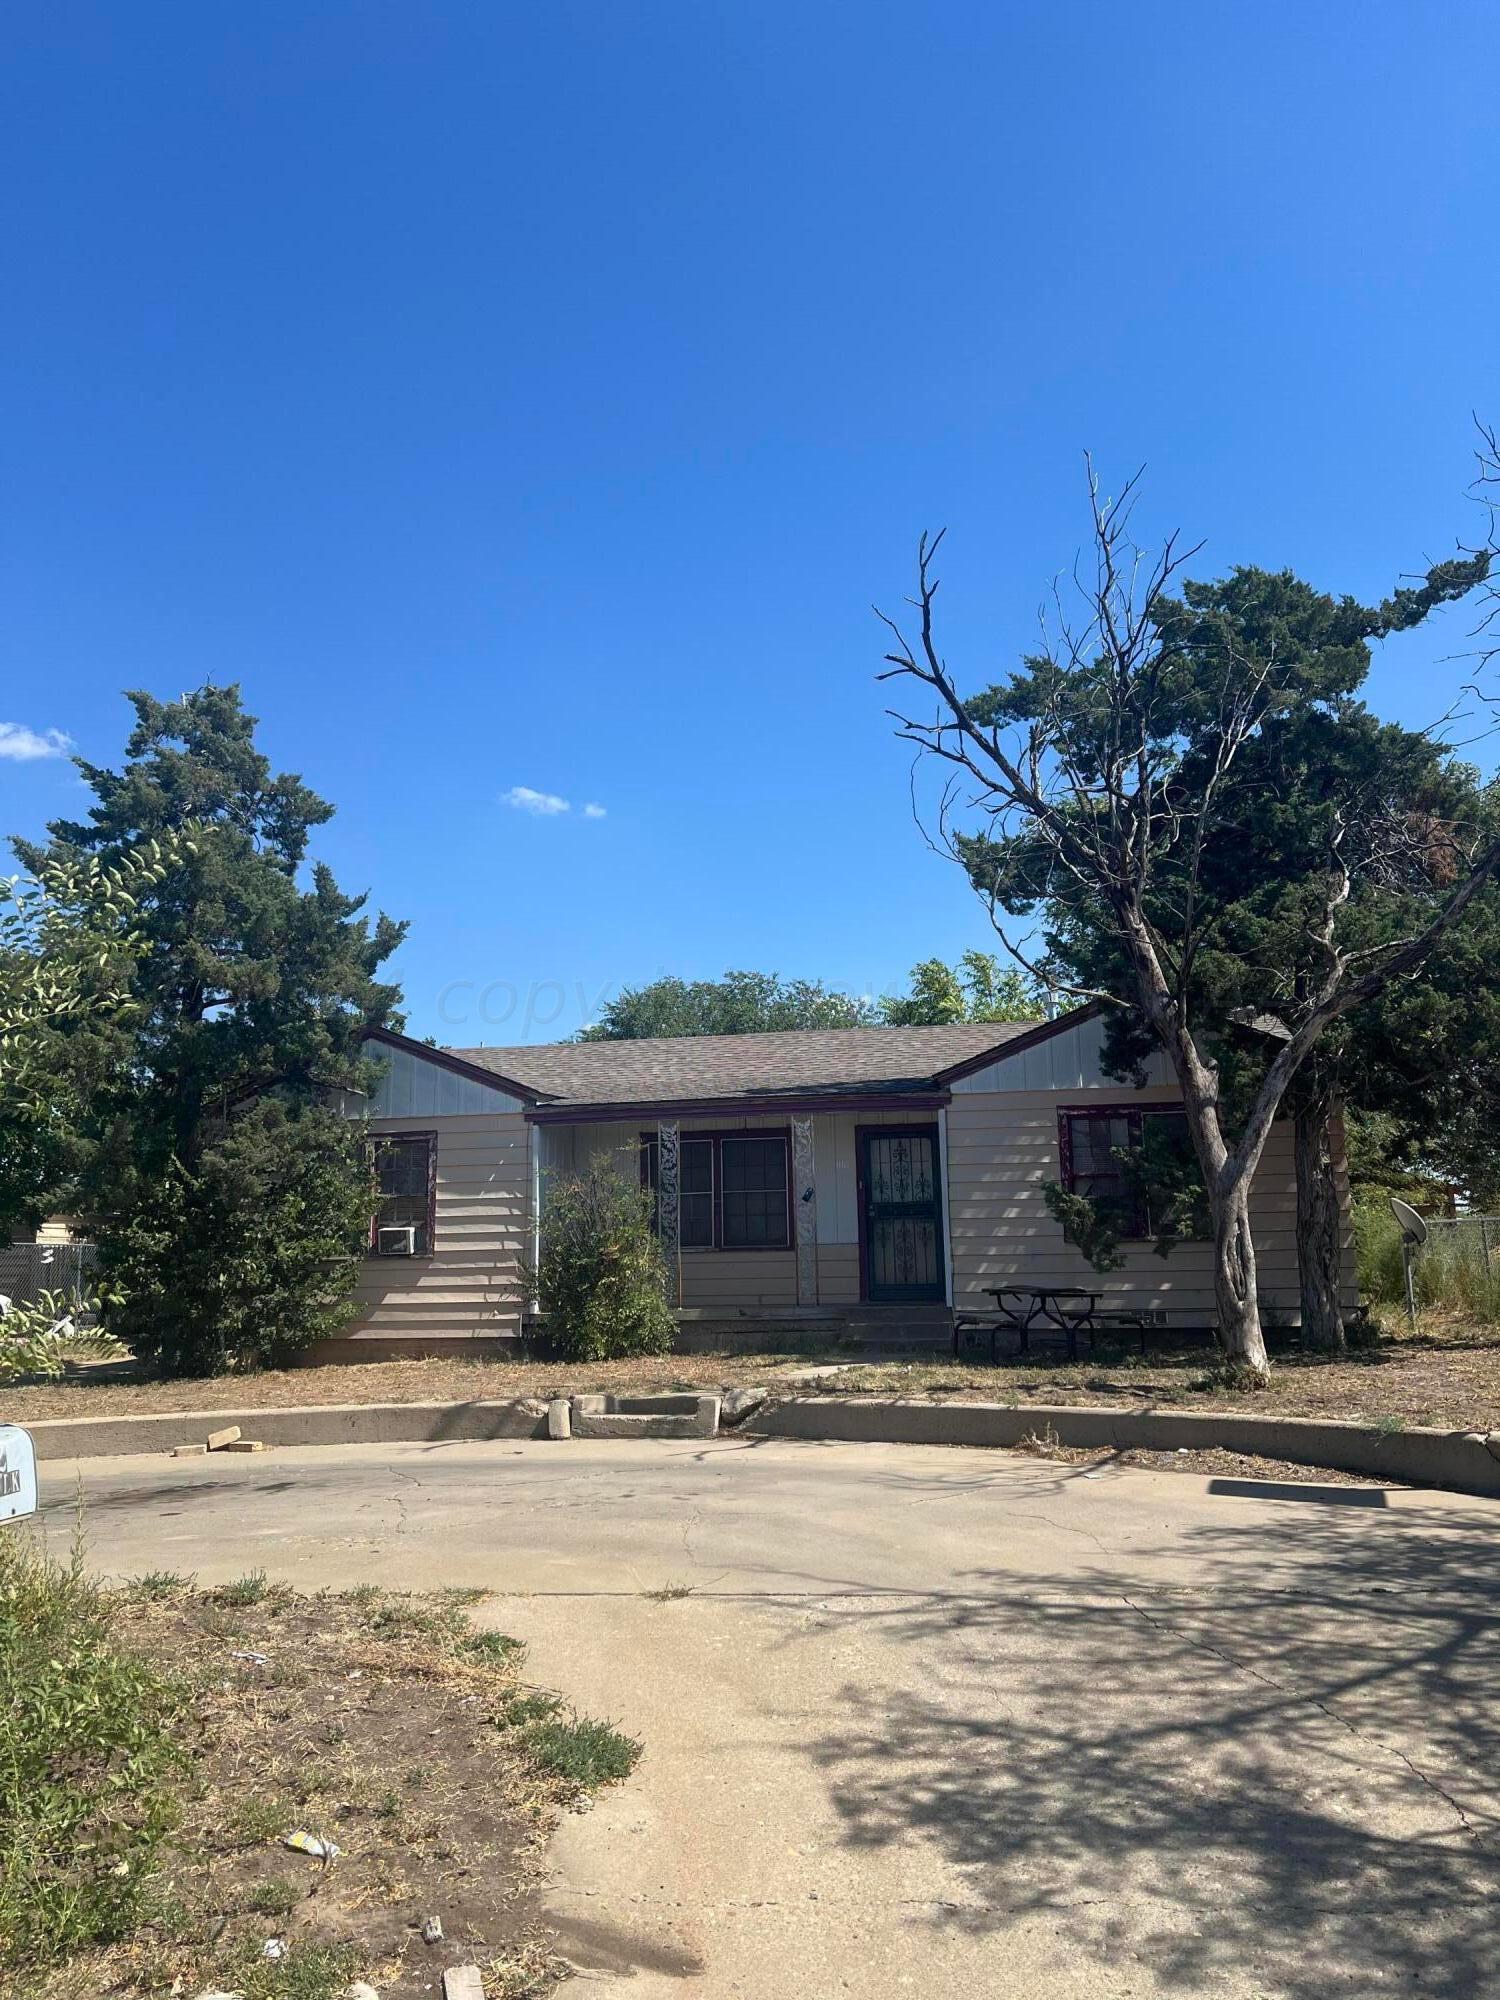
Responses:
[856,1097]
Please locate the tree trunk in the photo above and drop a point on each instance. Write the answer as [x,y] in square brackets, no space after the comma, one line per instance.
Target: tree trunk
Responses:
[1234,1281]
[1319,1226]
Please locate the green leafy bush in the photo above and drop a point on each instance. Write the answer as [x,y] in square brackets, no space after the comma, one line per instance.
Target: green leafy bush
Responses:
[1377,1249]
[87,1753]
[251,1254]
[600,1279]
[37,1336]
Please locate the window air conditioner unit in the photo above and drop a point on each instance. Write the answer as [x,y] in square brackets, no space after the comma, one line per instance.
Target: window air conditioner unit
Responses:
[396,1242]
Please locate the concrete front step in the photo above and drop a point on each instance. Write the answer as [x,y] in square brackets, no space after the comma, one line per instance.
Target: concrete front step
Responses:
[873,1326]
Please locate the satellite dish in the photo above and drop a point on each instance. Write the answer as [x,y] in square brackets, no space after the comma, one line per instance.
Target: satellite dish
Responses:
[1413,1236]
[1413,1228]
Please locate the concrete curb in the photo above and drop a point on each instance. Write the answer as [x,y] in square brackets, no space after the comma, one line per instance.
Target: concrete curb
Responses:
[1463,1462]
[328,1423]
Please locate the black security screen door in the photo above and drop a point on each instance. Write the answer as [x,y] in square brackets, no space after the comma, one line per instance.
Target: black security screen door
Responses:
[902,1213]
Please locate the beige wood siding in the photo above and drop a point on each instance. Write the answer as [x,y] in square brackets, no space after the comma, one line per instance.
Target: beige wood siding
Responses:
[1003,1148]
[714,1280]
[467,1287]
[838,1274]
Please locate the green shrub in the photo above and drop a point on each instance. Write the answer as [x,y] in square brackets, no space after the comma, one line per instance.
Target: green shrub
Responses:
[1377,1245]
[601,1278]
[87,1753]
[249,1255]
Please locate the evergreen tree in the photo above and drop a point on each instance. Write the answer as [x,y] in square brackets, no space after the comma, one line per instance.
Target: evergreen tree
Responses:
[69,946]
[249,983]
[1421,1054]
[1106,772]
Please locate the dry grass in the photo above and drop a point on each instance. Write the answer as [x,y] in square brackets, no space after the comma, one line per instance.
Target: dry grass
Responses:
[383,1722]
[1446,1374]
[1214,1462]
[100,1392]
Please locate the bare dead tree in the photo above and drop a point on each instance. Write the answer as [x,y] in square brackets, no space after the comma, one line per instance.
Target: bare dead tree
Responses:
[1071,781]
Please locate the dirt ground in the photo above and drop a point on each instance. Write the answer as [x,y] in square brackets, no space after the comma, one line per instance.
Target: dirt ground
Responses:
[1446,1374]
[366,1718]
[1214,1463]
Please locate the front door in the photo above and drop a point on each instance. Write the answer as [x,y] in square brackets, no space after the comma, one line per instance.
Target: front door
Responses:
[901,1213]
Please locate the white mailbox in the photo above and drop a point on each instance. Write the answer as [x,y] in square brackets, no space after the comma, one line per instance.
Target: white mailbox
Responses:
[17,1473]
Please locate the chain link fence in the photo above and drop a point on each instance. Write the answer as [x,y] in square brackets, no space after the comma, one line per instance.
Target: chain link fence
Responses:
[29,1269]
[1459,1265]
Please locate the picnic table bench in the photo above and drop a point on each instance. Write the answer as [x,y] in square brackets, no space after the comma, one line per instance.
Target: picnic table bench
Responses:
[1024,1309]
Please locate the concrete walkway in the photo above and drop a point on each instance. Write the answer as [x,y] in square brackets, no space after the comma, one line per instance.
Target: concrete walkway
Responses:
[940,1722]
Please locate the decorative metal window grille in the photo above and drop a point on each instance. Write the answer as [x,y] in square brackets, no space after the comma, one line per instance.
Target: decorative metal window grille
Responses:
[732,1190]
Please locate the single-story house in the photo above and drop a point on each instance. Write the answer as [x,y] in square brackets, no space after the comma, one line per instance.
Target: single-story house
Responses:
[866,1179]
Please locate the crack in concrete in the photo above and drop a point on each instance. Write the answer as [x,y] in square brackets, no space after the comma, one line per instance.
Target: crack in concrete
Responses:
[410,1480]
[1069,1528]
[688,1526]
[1324,1708]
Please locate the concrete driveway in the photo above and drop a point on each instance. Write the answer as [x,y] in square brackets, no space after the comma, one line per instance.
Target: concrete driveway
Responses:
[944,1722]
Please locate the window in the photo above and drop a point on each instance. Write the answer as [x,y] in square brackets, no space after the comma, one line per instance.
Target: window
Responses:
[695,1188]
[1091,1143]
[405,1172]
[753,1211]
[695,1193]
[731,1189]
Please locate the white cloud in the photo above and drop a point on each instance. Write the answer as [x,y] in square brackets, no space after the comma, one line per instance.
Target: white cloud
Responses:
[592,811]
[22,745]
[524,799]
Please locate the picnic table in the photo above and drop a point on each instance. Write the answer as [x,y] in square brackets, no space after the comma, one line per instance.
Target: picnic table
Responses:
[1022,1309]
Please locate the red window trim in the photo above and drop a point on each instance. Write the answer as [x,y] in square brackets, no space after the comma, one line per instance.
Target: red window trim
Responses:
[1135,1115]
[431,1138]
[717,1138]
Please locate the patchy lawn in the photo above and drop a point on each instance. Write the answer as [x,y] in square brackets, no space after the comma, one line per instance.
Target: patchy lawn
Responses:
[1447,1374]
[100,1392]
[194,1731]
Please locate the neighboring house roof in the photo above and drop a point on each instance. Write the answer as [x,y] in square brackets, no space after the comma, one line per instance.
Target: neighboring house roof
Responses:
[682,1069]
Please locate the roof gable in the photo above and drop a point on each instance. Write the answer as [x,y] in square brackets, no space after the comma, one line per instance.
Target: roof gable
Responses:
[487,1077]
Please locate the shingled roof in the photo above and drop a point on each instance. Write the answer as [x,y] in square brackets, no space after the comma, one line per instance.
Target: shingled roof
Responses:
[681,1069]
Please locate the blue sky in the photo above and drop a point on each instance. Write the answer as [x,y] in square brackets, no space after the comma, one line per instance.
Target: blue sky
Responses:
[539,396]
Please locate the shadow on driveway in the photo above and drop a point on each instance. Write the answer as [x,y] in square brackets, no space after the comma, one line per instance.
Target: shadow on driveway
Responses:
[1286,1780]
